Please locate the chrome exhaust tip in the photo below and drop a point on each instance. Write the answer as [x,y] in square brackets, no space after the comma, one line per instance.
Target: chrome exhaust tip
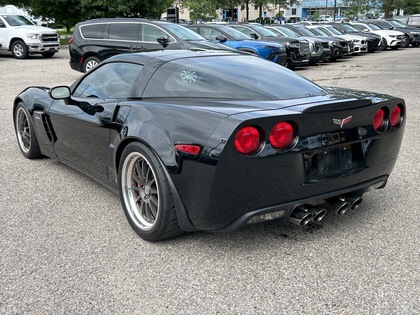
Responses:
[319,212]
[339,205]
[300,216]
[354,201]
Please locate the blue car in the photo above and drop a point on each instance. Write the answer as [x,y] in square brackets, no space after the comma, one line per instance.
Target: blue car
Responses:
[223,34]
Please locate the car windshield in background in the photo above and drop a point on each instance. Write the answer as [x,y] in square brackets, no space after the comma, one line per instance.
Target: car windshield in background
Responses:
[17,20]
[235,34]
[288,32]
[375,27]
[264,32]
[183,32]
[217,77]
[397,24]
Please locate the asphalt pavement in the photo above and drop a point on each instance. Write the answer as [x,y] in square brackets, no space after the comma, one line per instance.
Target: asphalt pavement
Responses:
[66,247]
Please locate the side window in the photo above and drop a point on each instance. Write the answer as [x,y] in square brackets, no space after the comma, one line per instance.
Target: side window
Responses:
[209,33]
[124,31]
[150,33]
[112,80]
[93,31]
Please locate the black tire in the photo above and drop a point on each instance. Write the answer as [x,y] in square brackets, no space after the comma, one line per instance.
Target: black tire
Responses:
[406,41]
[146,195]
[48,54]
[19,49]
[25,133]
[415,44]
[383,45]
[90,63]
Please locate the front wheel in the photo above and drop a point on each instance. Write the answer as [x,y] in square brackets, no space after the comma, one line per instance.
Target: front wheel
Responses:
[383,45]
[19,49]
[25,133]
[406,41]
[145,194]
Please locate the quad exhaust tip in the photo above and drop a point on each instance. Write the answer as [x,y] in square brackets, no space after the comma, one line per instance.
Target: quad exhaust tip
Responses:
[303,214]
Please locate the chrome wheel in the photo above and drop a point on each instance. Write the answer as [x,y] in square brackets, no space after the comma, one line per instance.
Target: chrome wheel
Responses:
[23,130]
[140,191]
[19,49]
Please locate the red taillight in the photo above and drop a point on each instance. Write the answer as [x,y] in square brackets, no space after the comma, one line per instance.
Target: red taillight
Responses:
[70,41]
[282,135]
[379,119]
[395,117]
[188,148]
[248,140]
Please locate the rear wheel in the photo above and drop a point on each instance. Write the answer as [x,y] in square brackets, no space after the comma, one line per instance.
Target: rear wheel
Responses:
[145,194]
[19,49]
[25,133]
[90,63]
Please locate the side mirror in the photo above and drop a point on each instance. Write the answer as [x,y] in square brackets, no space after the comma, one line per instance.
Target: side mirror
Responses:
[2,24]
[366,30]
[254,36]
[221,38]
[60,92]
[163,41]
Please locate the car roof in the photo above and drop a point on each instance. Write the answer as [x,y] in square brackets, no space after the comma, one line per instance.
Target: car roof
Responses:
[108,20]
[161,56]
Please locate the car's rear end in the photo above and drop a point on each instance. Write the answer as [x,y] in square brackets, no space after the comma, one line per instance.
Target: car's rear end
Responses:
[300,162]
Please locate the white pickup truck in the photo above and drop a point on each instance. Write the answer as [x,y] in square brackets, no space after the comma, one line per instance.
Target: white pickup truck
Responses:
[22,37]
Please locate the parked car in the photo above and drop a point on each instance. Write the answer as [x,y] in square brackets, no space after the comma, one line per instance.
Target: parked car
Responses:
[23,38]
[411,34]
[298,53]
[373,40]
[359,42]
[318,48]
[228,36]
[413,20]
[345,41]
[191,145]
[96,40]
[391,39]
[338,46]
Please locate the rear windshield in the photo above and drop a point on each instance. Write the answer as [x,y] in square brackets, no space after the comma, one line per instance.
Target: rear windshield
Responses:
[228,77]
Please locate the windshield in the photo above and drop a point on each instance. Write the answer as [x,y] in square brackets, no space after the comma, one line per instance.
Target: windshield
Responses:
[206,77]
[288,32]
[320,32]
[263,31]
[397,24]
[374,27]
[307,32]
[17,20]
[350,28]
[235,34]
[334,31]
[183,32]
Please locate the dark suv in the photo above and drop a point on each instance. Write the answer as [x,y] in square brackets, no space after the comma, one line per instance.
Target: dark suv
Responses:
[98,39]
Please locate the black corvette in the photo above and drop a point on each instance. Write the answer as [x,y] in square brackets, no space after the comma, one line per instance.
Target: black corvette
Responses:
[213,140]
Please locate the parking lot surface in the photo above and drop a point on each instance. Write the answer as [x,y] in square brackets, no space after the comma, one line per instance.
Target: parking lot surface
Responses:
[66,247]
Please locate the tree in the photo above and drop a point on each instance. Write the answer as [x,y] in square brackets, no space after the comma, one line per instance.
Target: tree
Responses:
[199,9]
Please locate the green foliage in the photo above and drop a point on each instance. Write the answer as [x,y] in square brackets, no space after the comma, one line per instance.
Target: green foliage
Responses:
[201,10]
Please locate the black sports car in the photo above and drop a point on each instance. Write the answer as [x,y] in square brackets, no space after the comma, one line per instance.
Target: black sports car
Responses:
[213,140]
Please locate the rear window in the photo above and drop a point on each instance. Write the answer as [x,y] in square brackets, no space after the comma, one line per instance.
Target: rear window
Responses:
[93,30]
[224,77]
